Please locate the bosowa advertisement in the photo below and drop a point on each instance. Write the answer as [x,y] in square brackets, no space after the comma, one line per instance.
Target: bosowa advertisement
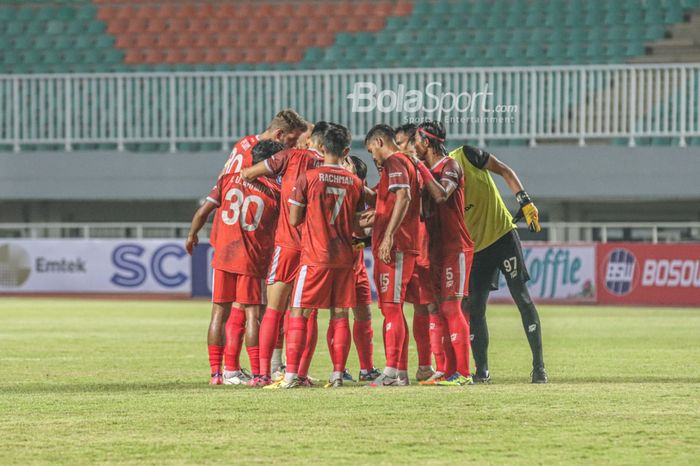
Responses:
[638,273]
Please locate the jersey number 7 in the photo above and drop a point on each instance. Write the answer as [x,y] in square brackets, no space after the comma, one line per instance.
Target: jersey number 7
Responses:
[340,192]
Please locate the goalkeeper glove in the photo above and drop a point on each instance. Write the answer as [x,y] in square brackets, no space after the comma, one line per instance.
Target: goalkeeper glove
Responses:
[528,211]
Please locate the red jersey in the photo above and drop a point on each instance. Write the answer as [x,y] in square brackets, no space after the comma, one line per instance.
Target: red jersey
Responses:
[447,232]
[246,219]
[290,164]
[332,195]
[397,172]
[241,155]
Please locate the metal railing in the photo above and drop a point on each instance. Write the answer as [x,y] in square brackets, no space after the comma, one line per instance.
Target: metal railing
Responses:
[574,103]
[570,232]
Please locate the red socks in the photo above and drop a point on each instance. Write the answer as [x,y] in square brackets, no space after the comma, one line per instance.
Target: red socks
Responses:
[269,332]
[310,346]
[421,325]
[459,334]
[235,328]
[362,335]
[394,333]
[216,352]
[279,344]
[296,338]
[436,333]
[254,356]
[338,338]
[403,359]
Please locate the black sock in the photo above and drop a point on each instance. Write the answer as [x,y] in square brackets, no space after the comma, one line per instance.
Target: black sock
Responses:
[479,332]
[531,321]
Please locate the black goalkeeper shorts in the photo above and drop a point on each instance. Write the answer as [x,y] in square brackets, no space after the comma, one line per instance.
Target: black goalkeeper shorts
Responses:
[506,256]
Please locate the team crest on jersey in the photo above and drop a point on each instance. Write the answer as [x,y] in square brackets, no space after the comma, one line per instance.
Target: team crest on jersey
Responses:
[245,144]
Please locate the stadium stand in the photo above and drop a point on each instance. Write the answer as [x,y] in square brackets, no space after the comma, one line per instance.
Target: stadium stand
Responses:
[129,35]
[55,36]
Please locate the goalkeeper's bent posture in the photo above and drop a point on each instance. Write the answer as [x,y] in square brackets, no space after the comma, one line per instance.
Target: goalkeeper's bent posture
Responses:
[497,247]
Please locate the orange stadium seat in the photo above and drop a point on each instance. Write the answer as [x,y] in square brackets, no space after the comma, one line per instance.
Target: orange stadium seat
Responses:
[117,26]
[158,25]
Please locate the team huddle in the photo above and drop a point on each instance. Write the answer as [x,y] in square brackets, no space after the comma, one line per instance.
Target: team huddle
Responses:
[293,217]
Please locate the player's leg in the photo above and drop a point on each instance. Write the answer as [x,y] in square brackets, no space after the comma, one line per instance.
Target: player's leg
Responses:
[342,297]
[276,361]
[223,294]
[283,270]
[454,278]
[235,329]
[513,268]
[421,334]
[252,337]
[392,280]
[362,331]
[308,293]
[338,344]
[363,336]
[309,347]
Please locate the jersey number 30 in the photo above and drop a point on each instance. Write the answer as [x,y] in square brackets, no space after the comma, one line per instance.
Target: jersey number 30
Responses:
[239,208]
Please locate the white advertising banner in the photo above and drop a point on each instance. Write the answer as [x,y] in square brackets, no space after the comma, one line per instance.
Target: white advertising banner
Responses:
[93,266]
[557,273]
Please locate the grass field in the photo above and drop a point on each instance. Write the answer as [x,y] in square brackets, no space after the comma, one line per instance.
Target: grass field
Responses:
[126,382]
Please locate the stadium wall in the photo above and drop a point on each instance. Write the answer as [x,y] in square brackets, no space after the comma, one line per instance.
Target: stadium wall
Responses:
[570,183]
[615,273]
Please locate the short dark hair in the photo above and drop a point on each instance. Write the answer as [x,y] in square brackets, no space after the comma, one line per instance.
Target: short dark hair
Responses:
[336,138]
[436,136]
[360,167]
[265,149]
[385,132]
[410,130]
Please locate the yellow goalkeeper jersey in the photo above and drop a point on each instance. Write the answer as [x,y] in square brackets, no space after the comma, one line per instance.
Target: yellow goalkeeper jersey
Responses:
[485,213]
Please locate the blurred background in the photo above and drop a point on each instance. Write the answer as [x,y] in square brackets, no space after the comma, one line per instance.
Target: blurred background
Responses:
[116,116]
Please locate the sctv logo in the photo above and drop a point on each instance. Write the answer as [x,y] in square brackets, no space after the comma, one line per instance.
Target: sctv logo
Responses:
[135,263]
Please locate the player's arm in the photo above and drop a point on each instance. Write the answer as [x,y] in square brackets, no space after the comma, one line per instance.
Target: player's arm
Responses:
[297,202]
[297,212]
[403,199]
[441,190]
[370,196]
[275,165]
[198,221]
[256,171]
[527,207]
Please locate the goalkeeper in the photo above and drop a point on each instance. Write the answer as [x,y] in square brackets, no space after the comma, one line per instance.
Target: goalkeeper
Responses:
[497,247]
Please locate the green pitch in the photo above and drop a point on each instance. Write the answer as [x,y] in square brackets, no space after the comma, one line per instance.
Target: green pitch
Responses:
[126,382]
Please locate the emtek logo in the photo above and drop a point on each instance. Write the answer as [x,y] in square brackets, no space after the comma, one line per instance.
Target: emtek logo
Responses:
[15,266]
[619,273]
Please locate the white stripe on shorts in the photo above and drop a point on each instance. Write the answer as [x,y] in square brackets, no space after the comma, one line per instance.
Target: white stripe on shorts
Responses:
[299,289]
[398,277]
[273,267]
[462,273]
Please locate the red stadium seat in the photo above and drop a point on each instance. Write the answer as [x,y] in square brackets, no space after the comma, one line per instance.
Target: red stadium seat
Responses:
[157,25]
[136,25]
[117,26]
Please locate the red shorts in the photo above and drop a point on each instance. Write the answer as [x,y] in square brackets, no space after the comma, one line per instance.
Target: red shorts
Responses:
[319,287]
[284,265]
[363,293]
[391,279]
[451,275]
[420,288]
[230,287]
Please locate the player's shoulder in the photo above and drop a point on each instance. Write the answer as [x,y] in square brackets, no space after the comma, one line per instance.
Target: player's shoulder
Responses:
[475,156]
[246,143]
